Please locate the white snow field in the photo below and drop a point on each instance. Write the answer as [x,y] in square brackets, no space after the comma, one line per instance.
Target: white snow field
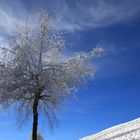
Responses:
[125,131]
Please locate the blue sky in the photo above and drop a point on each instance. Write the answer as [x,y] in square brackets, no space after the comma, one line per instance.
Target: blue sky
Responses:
[112,97]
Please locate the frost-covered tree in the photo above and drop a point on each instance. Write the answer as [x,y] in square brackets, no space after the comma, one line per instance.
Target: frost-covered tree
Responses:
[36,76]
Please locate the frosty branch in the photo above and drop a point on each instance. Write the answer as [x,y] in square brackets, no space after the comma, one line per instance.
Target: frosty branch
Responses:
[36,75]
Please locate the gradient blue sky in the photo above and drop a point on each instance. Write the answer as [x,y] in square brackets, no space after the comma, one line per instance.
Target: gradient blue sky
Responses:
[112,97]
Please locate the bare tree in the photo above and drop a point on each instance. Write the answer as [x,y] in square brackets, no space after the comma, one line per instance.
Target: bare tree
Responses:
[35,74]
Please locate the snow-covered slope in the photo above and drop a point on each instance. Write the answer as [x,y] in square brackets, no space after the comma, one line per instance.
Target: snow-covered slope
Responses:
[125,131]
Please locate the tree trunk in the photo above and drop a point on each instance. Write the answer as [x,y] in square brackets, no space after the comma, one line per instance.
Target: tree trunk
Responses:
[35,119]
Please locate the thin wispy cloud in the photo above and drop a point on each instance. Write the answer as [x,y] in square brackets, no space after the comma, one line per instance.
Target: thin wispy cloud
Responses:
[75,15]
[95,13]
[8,24]
[8,21]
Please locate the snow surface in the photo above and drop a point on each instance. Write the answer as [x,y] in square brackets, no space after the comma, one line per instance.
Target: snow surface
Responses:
[125,131]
